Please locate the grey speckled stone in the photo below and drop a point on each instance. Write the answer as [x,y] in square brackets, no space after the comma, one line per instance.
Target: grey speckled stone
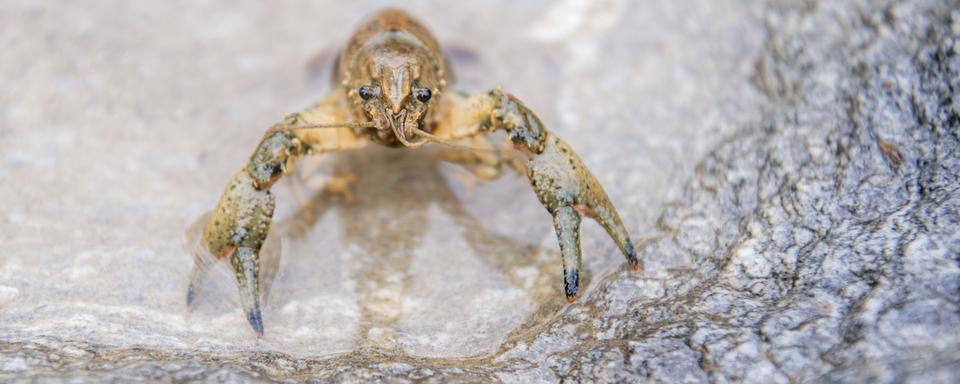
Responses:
[813,236]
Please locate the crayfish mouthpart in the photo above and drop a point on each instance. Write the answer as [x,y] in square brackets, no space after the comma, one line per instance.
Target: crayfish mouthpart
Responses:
[404,130]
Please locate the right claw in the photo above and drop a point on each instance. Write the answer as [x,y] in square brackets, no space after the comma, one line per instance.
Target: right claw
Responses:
[235,232]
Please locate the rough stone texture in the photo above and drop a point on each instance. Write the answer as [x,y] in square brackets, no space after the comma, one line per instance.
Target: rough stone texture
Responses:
[812,236]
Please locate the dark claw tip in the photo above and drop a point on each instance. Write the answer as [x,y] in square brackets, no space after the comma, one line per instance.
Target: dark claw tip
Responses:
[570,284]
[253,317]
[632,256]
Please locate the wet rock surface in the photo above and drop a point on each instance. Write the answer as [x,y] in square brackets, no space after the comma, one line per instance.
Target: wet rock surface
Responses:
[810,235]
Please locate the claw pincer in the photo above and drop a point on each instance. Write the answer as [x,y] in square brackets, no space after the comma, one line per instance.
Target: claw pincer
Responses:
[240,222]
[564,186]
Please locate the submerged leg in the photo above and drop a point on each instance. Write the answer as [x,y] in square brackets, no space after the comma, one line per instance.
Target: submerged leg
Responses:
[238,226]
[561,181]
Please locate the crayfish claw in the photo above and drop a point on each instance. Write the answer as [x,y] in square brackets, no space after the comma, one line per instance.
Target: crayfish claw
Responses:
[246,268]
[564,186]
[238,227]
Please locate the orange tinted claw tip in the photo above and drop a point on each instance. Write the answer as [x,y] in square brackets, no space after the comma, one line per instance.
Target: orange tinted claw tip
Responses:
[571,298]
[635,266]
[259,335]
[227,252]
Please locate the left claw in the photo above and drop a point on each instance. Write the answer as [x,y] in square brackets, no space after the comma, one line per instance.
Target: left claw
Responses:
[564,186]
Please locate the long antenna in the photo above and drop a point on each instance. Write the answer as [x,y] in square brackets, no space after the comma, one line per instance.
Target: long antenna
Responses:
[334,126]
[418,132]
[451,144]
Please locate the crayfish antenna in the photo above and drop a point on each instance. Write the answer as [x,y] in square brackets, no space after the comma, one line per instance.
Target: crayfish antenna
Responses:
[449,143]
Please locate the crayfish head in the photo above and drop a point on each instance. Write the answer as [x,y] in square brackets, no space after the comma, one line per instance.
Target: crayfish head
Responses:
[395,87]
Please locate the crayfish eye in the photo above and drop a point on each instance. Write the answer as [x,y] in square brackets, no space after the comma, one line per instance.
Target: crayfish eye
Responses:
[366,92]
[422,94]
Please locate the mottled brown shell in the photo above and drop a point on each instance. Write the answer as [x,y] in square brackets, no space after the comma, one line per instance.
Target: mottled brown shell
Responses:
[372,30]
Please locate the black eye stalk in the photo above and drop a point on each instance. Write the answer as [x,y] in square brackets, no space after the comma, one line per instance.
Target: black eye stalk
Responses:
[366,92]
[422,94]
